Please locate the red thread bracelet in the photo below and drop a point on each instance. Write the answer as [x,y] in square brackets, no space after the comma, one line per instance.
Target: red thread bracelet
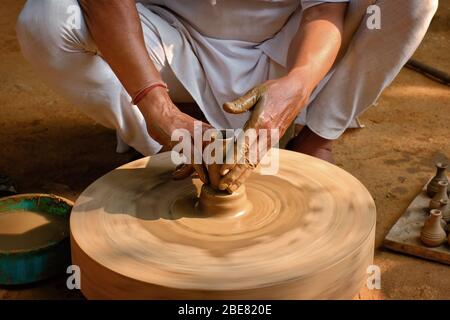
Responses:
[144,91]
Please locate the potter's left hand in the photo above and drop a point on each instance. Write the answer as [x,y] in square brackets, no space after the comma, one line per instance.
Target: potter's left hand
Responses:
[275,104]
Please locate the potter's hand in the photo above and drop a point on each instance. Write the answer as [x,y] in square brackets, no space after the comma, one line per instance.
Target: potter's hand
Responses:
[163,118]
[275,104]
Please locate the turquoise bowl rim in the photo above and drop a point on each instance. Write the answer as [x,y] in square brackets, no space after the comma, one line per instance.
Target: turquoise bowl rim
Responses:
[57,200]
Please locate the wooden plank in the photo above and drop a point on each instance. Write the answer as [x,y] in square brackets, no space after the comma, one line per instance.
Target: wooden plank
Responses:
[404,236]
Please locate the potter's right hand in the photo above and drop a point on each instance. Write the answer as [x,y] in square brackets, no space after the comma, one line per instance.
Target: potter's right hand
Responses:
[163,118]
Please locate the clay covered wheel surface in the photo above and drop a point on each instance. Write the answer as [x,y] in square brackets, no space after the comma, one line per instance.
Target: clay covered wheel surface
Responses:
[308,234]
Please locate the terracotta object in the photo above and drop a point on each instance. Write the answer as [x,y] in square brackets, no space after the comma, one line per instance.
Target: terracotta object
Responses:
[404,236]
[440,199]
[309,234]
[445,208]
[213,203]
[441,175]
[433,235]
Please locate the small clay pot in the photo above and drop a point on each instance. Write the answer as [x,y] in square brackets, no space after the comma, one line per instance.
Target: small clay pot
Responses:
[440,199]
[445,209]
[433,235]
[441,175]
[220,203]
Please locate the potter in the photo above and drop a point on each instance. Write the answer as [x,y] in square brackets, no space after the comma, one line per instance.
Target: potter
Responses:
[245,64]
[260,66]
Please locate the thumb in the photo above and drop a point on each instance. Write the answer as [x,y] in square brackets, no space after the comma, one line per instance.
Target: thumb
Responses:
[244,103]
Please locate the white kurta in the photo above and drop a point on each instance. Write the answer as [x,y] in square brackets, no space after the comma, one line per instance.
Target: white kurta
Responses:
[214,51]
[229,46]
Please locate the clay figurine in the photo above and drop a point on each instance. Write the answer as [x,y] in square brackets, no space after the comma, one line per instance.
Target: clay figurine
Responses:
[444,225]
[441,175]
[433,235]
[440,199]
[445,208]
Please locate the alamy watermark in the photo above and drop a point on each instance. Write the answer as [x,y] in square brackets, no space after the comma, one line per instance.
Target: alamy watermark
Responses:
[74,280]
[374,280]
[73,21]
[373,21]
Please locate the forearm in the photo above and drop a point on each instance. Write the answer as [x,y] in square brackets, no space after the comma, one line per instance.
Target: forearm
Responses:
[116,29]
[316,45]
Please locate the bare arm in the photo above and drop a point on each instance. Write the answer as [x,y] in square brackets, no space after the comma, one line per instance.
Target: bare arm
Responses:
[117,31]
[317,43]
[276,103]
[116,28]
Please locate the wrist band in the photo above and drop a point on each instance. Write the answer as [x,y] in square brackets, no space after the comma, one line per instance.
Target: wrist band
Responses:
[141,93]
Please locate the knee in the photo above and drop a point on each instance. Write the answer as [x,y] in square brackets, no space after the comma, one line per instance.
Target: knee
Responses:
[46,26]
[429,8]
[420,12]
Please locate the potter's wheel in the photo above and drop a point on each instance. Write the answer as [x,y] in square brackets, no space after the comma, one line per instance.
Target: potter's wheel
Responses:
[309,233]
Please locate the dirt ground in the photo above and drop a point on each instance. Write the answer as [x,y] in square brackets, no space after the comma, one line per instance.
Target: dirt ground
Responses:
[47,146]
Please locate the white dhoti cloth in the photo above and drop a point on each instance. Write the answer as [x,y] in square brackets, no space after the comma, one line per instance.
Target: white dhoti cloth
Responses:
[211,52]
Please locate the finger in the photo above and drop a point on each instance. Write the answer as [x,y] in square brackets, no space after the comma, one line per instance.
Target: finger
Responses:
[230,160]
[201,171]
[231,176]
[199,125]
[206,126]
[244,103]
[227,167]
[239,181]
[183,171]
[240,172]
[198,167]
[214,175]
